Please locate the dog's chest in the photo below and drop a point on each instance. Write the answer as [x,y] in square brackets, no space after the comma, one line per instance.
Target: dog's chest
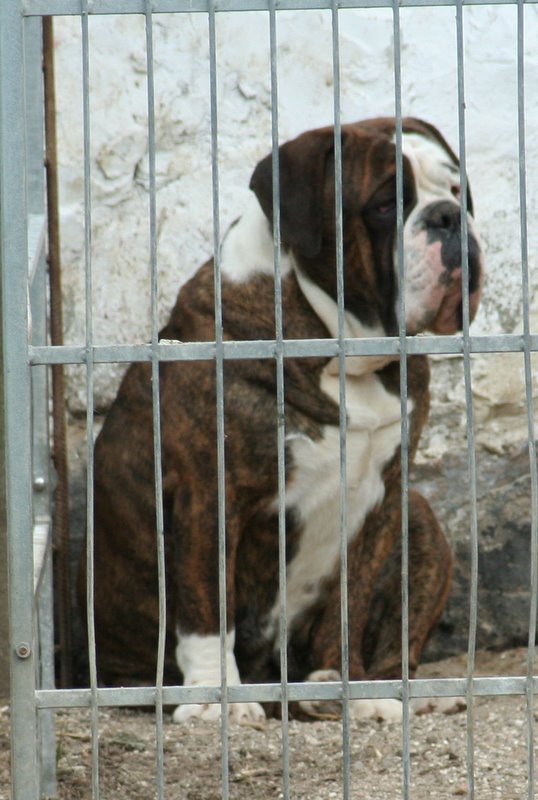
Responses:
[313,490]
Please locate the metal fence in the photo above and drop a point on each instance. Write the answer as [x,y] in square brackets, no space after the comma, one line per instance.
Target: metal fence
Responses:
[34,698]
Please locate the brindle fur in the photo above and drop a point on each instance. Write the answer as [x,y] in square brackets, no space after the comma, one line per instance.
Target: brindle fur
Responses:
[126,590]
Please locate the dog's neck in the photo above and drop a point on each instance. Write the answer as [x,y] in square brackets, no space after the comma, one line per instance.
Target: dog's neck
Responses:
[327,310]
[248,249]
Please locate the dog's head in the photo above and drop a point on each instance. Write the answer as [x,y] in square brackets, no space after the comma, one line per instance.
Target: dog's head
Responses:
[432,222]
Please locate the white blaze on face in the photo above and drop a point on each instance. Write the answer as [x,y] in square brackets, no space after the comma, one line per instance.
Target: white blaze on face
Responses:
[436,175]
[432,293]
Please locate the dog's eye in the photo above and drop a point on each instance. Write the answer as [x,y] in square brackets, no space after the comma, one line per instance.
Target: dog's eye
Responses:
[456,191]
[386,207]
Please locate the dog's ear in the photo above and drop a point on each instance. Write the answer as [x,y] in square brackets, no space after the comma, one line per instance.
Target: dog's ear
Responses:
[302,168]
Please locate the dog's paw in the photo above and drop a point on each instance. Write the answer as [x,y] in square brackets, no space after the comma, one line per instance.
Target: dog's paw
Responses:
[208,712]
[246,714]
[322,709]
[238,713]
[387,710]
[384,710]
[440,705]
[199,659]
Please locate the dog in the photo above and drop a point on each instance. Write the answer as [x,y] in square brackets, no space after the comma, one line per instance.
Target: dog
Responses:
[126,590]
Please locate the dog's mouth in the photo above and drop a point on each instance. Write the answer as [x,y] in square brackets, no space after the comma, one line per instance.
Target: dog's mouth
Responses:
[434,289]
[449,316]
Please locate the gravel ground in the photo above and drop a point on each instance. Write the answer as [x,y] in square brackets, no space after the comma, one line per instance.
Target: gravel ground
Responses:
[192,753]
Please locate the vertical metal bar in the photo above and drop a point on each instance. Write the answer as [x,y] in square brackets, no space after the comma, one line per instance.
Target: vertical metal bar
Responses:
[62,564]
[338,211]
[94,710]
[155,389]
[34,115]
[5,652]
[43,577]
[34,46]
[219,378]
[281,429]
[404,451]
[528,394]
[17,399]
[47,725]
[471,460]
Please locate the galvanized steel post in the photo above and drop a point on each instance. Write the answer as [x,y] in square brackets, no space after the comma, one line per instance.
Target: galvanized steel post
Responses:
[17,397]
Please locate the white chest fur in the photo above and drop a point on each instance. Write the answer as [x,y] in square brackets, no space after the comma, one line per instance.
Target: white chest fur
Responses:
[313,491]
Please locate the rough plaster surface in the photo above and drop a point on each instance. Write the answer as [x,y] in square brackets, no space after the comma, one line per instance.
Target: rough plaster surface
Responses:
[118,158]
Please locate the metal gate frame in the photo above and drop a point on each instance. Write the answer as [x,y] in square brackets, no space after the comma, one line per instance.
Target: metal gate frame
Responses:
[27,456]
[22,218]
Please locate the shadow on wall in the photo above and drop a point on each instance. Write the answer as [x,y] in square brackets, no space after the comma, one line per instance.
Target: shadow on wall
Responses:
[504,541]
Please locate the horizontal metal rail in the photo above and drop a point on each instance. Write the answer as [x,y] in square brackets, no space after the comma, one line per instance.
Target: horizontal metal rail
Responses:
[272,692]
[97,7]
[267,348]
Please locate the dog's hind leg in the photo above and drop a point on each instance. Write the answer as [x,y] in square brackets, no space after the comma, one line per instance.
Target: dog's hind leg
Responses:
[374,601]
[430,569]
[366,557]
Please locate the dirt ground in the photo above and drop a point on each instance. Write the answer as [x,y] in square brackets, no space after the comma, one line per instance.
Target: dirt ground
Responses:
[192,753]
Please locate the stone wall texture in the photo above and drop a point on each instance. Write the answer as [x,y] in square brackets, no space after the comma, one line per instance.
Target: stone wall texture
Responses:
[119,138]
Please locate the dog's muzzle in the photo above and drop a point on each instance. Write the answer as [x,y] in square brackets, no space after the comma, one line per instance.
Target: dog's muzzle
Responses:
[434,272]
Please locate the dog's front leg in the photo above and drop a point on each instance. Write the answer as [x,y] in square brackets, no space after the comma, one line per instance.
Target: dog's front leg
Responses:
[199,659]
[199,652]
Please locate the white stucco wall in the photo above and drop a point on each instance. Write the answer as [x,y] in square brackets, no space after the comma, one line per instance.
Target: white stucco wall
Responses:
[119,141]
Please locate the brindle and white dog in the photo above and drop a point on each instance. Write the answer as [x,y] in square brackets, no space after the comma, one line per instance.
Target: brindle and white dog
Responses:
[126,595]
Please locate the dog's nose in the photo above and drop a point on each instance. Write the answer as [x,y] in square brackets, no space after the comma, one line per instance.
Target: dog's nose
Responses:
[443,217]
[442,223]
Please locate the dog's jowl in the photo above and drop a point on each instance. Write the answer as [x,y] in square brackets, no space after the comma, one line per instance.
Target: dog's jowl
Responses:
[126,590]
